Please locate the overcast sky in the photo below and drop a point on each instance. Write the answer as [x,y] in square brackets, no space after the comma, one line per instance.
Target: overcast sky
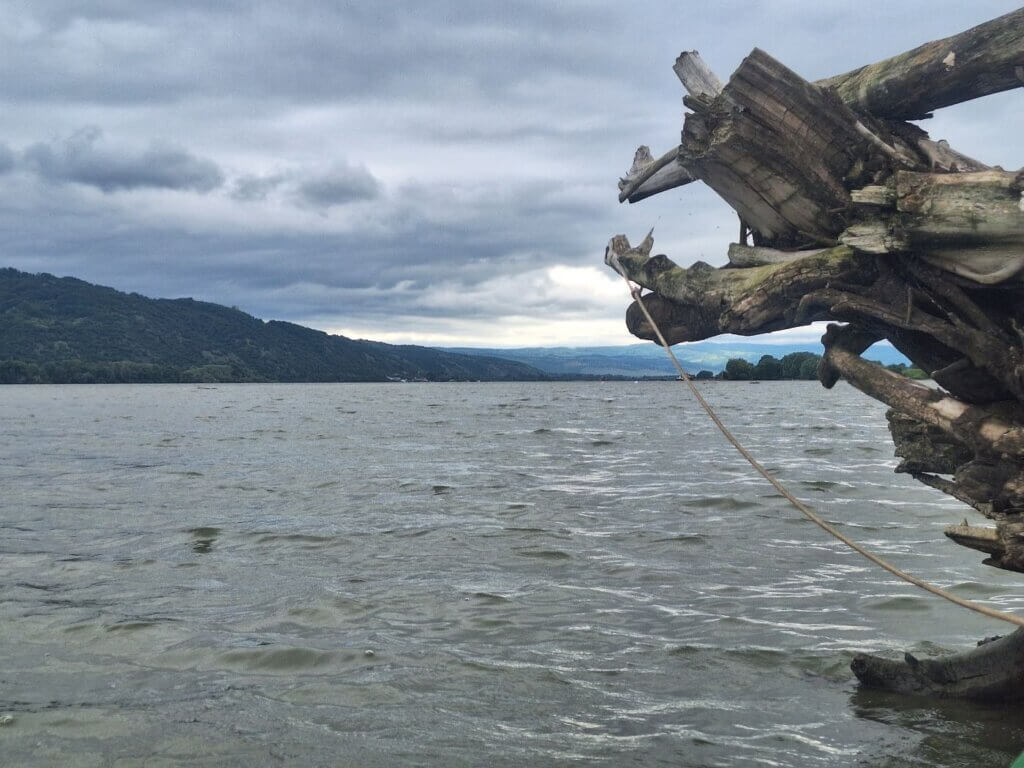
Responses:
[427,172]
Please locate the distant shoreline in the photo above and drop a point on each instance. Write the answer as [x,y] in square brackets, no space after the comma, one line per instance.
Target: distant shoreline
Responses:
[800,366]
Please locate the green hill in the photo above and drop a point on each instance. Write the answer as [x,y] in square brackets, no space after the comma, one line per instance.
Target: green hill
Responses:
[60,330]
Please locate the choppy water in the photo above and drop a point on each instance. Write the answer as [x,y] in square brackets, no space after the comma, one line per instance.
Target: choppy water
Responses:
[489,574]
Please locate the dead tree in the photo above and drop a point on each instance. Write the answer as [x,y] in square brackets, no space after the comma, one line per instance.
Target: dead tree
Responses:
[859,217]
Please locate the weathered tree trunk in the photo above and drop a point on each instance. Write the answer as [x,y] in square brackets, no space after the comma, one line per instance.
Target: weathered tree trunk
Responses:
[777,149]
[859,217]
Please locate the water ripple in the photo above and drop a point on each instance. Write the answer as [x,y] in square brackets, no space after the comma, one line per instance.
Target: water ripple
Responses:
[505,574]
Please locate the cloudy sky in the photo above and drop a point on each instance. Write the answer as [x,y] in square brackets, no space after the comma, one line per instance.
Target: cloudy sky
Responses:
[412,171]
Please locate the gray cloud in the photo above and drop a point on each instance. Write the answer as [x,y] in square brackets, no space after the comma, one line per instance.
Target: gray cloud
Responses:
[6,158]
[79,159]
[250,188]
[495,133]
[429,50]
[343,184]
[309,50]
[479,240]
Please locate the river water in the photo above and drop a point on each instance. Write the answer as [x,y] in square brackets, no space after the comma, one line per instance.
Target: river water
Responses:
[468,574]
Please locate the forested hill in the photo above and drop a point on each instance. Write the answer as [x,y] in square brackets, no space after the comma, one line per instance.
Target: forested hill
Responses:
[66,330]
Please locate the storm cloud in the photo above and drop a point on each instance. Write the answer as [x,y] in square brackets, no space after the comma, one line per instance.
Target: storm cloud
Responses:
[429,171]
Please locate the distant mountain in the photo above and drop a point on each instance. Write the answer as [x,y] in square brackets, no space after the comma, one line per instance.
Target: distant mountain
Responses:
[66,330]
[638,360]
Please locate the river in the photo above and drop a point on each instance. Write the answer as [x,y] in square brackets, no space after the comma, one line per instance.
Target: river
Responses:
[469,574]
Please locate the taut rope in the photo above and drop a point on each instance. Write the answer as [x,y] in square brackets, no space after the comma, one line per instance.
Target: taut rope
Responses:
[809,513]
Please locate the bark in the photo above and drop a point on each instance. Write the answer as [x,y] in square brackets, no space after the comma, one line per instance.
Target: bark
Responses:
[971,224]
[935,323]
[754,256]
[647,176]
[985,59]
[924,447]
[981,538]
[1010,553]
[882,307]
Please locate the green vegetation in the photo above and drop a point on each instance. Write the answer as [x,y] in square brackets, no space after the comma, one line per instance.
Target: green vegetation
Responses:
[796,365]
[63,330]
[908,371]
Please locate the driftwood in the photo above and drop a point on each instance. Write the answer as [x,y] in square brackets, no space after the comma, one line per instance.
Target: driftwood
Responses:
[696,76]
[967,223]
[983,60]
[648,176]
[859,217]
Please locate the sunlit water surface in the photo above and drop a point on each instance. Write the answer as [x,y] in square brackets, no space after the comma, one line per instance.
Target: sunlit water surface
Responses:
[468,574]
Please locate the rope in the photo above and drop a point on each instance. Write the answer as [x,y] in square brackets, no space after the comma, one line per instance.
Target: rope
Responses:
[809,513]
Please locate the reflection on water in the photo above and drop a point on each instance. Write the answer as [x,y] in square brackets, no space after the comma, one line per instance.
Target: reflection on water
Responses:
[499,574]
[955,733]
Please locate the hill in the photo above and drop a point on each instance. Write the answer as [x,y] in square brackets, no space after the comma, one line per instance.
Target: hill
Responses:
[638,360]
[61,329]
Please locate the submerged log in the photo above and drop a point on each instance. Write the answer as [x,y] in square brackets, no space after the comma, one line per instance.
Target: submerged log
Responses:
[993,671]
[860,218]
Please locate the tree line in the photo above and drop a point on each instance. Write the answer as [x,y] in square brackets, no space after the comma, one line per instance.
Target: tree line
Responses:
[794,366]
